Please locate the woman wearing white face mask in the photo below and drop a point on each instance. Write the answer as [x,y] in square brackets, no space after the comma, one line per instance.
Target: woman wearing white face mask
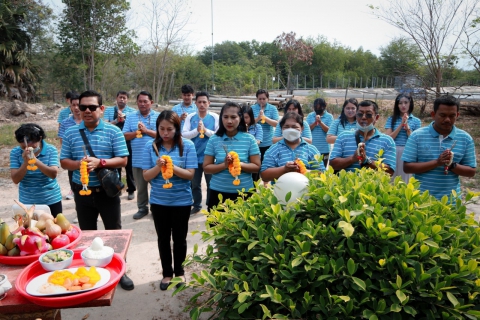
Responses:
[282,157]
[36,169]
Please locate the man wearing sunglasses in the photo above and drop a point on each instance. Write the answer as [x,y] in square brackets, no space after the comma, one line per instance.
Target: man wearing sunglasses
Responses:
[349,154]
[108,145]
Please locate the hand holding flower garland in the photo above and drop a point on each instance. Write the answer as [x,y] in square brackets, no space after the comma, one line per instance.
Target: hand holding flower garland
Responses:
[32,160]
[202,131]
[167,171]
[301,166]
[234,167]
[84,179]
[139,132]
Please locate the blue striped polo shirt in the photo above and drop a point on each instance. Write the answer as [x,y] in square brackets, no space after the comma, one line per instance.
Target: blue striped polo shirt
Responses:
[64,114]
[110,112]
[138,144]
[280,153]
[67,123]
[180,194]
[210,122]
[242,143]
[336,128]
[306,132]
[346,145]
[413,122]
[425,145]
[256,131]
[106,140]
[319,137]
[36,187]
[270,112]
[180,108]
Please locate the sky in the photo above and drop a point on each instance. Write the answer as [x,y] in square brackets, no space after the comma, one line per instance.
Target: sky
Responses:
[349,22]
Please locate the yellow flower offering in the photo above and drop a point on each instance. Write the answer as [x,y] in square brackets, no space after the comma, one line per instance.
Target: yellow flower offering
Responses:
[302,169]
[84,179]
[139,132]
[263,119]
[167,171]
[31,162]
[235,168]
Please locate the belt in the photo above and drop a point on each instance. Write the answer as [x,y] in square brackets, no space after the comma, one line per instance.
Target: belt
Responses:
[79,187]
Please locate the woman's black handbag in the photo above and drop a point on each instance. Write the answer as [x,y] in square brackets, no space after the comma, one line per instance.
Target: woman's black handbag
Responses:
[109,178]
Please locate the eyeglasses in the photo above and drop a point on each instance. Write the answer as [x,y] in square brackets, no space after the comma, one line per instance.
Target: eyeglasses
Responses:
[367,115]
[91,107]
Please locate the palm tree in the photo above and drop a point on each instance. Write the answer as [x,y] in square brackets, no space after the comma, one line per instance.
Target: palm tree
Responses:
[16,76]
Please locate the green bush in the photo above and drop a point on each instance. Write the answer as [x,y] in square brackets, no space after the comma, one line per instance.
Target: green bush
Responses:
[357,246]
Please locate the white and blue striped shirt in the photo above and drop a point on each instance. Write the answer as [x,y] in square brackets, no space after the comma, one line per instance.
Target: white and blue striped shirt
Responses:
[242,143]
[319,137]
[336,128]
[138,144]
[67,123]
[36,187]
[306,132]
[270,112]
[346,145]
[64,114]
[210,122]
[109,112]
[280,153]
[413,122]
[256,131]
[106,140]
[180,194]
[426,144]
[180,108]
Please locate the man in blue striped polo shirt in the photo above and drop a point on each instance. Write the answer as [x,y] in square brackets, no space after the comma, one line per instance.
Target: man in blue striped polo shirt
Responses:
[428,152]
[348,155]
[320,121]
[116,115]
[186,107]
[108,145]
[195,123]
[140,128]
[66,112]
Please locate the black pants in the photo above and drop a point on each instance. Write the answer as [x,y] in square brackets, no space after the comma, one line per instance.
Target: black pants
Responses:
[256,176]
[70,181]
[56,208]
[325,159]
[171,222]
[89,207]
[128,171]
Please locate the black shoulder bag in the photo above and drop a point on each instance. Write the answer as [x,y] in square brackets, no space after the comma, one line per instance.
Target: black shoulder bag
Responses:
[109,178]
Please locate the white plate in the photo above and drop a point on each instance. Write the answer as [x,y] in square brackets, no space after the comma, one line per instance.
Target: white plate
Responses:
[37,282]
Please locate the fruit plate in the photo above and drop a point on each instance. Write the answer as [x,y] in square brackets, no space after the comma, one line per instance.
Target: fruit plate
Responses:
[32,271]
[24,260]
[34,285]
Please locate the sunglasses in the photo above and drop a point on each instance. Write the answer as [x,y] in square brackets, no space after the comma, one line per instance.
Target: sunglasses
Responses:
[91,107]
[367,115]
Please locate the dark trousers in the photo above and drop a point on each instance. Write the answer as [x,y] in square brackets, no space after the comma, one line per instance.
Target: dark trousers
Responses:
[128,171]
[325,159]
[70,181]
[171,222]
[89,207]
[197,186]
[56,208]
[256,176]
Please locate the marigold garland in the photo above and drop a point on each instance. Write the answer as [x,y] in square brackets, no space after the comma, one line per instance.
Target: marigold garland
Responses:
[235,168]
[139,132]
[202,131]
[263,119]
[301,166]
[31,162]
[84,179]
[167,171]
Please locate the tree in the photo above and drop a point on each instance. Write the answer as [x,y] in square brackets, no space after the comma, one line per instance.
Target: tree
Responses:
[293,51]
[16,76]
[436,27]
[89,27]
[471,43]
[400,57]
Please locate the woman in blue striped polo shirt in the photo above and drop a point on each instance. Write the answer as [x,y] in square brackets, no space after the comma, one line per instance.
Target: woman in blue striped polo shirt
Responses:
[255,129]
[347,121]
[170,206]
[400,126]
[230,136]
[37,186]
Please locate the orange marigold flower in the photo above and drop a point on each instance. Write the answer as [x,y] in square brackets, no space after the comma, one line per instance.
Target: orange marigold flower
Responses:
[84,179]
[301,166]
[167,171]
[235,167]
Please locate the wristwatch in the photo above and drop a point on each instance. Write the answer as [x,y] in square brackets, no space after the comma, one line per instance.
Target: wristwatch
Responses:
[367,162]
[452,166]
[103,163]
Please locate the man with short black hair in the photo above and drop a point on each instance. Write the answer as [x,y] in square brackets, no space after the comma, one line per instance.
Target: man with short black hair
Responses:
[438,154]
[108,145]
[66,112]
[187,106]
[116,115]
[358,149]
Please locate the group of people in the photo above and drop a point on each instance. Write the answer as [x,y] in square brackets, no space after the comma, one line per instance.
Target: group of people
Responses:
[173,150]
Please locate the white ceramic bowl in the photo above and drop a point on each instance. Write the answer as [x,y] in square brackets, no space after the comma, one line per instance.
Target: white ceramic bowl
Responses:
[52,266]
[98,262]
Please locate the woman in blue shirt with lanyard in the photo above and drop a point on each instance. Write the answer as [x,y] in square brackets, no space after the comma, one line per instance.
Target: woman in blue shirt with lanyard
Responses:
[253,128]
[281,157]
[230,136]
[170,201]
[37,179]
[347,121]
[400,126]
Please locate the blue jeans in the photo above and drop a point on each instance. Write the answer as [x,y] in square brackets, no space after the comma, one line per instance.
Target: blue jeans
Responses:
[197,186]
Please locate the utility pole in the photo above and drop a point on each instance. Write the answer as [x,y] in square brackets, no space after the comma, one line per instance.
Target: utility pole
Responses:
[213,66]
